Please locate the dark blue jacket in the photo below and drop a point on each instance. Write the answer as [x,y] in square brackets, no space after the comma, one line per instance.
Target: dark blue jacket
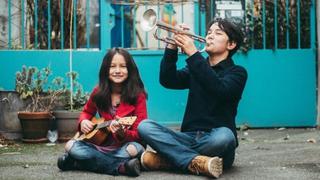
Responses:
[214,91]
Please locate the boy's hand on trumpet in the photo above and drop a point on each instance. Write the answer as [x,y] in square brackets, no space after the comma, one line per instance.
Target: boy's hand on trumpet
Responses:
[181,27]
[185,42]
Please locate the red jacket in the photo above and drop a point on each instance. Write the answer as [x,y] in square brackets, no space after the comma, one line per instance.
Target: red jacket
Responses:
[124,109]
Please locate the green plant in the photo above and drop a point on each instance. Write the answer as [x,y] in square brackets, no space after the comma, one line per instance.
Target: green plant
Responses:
[69,7]
[32,83]
[79,96]
[287,27]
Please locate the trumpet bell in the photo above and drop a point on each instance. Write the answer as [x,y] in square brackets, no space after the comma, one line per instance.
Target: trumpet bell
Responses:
[149,20]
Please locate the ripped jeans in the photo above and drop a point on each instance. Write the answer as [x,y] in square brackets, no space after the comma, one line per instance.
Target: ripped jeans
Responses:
[88,157]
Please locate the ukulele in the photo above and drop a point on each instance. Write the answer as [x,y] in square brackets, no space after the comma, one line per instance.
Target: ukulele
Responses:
[100,130]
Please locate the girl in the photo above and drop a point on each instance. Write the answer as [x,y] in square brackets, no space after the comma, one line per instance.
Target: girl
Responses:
[120,93]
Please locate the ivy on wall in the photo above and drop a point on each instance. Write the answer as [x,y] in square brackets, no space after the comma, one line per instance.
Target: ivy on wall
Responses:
[42,22]
[30,24]
[287,24]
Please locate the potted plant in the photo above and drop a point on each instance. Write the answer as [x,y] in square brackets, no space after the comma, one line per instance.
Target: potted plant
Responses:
[33,87]
[73,102]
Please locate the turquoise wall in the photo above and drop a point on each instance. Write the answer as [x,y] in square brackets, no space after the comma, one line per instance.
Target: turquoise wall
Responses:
[281,87]
[280,91]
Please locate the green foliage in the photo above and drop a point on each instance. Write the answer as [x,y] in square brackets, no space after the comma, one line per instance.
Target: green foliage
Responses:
[33,84]
[287,28]
[42,21]
[79,97]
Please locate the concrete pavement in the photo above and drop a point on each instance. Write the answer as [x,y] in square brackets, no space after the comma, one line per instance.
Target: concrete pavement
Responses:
[262,154]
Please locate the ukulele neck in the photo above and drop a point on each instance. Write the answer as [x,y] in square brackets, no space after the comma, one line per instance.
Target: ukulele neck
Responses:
[103,124]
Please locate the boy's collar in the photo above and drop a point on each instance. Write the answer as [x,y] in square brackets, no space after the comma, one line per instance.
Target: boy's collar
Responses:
[224,63]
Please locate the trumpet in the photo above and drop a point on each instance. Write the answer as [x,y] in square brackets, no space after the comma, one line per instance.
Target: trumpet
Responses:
[149,21]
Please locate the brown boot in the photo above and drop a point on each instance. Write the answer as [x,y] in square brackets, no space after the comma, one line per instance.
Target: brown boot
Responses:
[210,166]
[153,161]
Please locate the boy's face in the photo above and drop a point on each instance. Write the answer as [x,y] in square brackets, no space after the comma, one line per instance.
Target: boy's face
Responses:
[217,41]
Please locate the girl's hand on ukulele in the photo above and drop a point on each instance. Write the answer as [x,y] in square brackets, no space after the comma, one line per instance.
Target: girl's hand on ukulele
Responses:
[86,126]
[114,126]
[117,129]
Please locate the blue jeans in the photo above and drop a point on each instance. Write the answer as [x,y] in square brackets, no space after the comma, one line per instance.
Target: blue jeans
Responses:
[181,147]
[88,158]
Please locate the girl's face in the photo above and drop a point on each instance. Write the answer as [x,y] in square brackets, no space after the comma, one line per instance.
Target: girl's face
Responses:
[217,40]
[118,72]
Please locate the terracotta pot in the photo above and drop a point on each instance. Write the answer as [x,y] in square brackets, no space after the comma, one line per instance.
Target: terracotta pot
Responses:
[67,124]
[35,126]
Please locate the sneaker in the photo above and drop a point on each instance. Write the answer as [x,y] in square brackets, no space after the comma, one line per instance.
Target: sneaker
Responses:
[66,163]
[153,161]
[132,167]
[210,166]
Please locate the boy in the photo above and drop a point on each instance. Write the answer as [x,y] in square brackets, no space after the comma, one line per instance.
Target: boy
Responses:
[208,138]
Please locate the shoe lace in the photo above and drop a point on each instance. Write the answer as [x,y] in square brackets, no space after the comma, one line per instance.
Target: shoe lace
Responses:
[197,165]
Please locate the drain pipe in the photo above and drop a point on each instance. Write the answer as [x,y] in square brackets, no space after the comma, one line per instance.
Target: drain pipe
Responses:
[318,59]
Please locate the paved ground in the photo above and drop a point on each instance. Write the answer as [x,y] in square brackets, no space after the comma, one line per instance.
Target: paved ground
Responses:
[263,154]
